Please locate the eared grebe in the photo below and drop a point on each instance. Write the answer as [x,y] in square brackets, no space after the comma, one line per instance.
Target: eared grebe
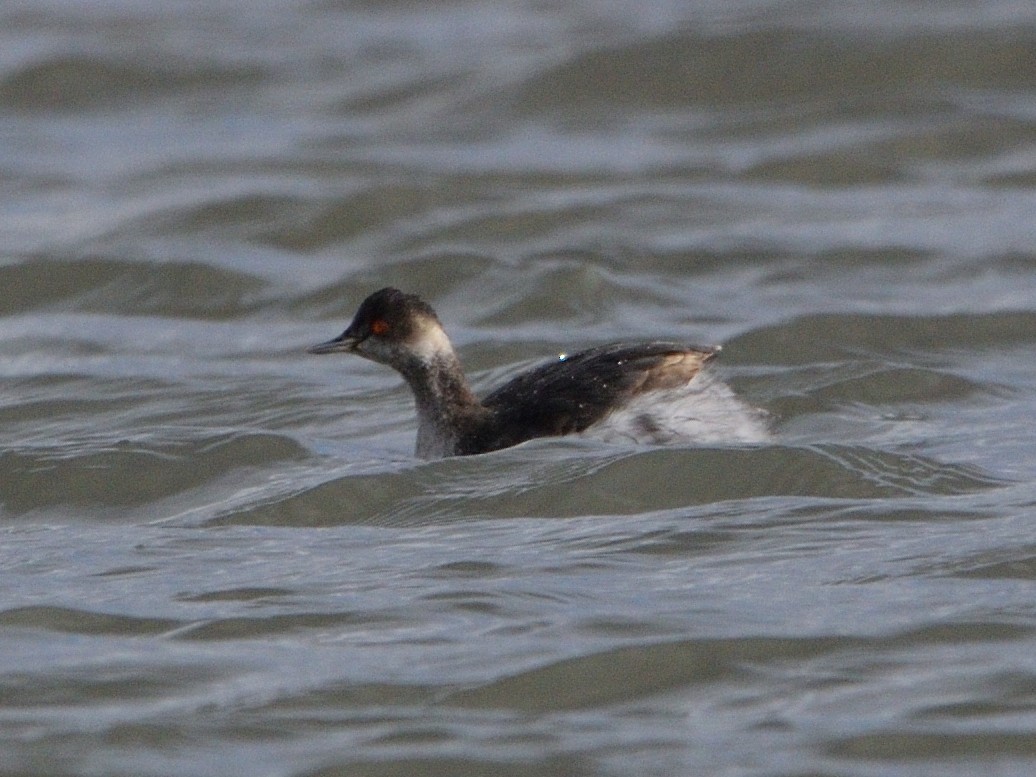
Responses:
[637,383]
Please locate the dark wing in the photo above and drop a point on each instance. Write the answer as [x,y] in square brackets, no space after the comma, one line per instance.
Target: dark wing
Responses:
[570,394]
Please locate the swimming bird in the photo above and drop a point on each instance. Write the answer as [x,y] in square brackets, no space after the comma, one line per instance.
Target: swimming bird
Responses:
[571,394]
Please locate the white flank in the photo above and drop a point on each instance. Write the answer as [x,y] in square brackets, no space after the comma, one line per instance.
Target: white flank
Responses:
[706,410]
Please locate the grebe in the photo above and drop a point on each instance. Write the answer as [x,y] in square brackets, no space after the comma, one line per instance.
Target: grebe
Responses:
[573,394]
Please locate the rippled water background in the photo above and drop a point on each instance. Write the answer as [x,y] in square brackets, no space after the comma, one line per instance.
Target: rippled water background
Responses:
[217,556]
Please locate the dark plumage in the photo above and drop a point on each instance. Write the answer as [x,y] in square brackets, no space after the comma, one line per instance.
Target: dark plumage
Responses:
[574,392]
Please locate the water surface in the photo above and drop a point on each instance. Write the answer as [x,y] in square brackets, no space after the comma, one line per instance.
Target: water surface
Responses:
[218,554]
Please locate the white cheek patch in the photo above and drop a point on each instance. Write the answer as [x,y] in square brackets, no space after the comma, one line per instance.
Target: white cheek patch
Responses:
[429,341]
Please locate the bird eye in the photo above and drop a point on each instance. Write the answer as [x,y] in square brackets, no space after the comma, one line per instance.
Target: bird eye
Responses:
[379,326]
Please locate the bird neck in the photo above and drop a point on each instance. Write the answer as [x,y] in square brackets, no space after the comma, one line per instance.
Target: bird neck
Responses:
[447,409]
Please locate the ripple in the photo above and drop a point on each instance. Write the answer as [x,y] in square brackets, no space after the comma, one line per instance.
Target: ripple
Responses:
[522,483]
[238,628]
[70,82]
[770,66]
[933,747]
[75,621]
[637,671]
[113,286]
[241,594]
[813,338]
[125,473]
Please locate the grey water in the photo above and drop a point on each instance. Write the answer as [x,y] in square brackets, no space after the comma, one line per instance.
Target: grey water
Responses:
[218,555]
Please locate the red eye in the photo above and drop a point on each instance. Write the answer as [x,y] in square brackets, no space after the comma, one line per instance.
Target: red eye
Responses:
[379,326]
